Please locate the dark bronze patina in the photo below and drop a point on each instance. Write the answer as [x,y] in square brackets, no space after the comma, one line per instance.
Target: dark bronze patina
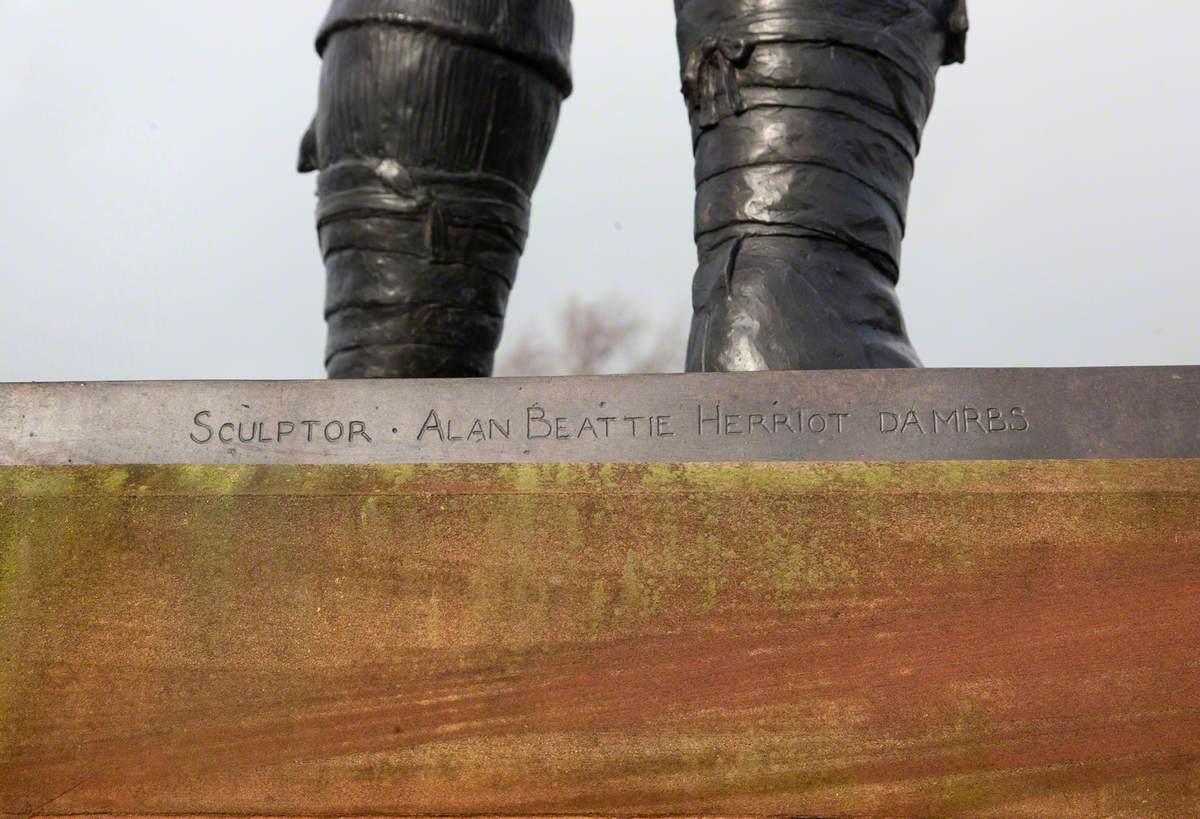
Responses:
[436,116]
[806,120]
[434,120]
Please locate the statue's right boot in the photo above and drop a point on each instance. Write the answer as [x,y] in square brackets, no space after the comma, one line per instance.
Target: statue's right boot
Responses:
[434,121]
[806,121]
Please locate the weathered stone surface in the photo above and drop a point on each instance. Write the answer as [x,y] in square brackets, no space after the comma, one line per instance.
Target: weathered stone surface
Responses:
[1003,638]
[881,415]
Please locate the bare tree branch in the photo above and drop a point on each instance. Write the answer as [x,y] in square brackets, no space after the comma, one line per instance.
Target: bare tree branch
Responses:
[602,336]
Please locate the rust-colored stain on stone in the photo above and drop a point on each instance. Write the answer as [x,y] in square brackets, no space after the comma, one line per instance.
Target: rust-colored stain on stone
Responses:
[994,639]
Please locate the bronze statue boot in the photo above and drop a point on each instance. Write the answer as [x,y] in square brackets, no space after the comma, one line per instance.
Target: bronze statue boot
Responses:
[433,124]
[806,120]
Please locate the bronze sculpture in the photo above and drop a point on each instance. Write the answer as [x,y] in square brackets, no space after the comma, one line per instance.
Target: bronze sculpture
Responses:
[435,118]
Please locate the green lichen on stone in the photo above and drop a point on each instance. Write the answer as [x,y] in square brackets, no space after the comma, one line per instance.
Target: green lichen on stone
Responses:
[634,590]
[204,480]
[812,568]
[598,608]
[113,481]
[34,481]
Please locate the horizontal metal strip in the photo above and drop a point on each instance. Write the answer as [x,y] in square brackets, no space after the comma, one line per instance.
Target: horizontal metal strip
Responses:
[713,241]
[364,277]
[486,248]
[841,70]
[415,323]
[806,196]
[380,360]
[481,213]
[832,103]
[867,415]
[780,135]
[896,200]
[386,175]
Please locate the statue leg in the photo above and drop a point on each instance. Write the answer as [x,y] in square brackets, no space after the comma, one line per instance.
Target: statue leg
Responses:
[806,120]
[434,121]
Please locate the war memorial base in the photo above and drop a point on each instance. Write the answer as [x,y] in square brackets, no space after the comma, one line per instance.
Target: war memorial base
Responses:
[878,593]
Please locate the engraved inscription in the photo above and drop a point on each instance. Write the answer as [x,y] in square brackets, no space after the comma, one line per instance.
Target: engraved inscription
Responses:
[475,429]
[884,416]
[712,420]
[962,420]
[537,423]
[207,430]
[541,425]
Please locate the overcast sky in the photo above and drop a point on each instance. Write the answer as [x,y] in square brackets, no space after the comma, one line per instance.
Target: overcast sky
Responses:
[153,225]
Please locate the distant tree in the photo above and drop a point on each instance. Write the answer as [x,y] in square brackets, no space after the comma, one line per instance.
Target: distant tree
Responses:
[607,335]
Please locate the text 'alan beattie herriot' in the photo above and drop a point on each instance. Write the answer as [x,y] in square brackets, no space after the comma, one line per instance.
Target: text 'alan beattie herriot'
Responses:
[538,423]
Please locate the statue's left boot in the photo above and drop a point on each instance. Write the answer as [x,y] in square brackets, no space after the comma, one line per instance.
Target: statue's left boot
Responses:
[806,119]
